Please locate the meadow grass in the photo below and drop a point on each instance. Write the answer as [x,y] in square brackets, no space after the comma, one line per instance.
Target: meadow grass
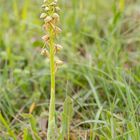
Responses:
[101,72]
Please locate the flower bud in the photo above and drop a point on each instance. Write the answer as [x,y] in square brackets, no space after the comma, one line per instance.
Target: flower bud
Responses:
[55,16]
[43,15]
[45,52]
[48,19]
[58,47]
[46,38]
[46,9]
[53,4]
[59,62]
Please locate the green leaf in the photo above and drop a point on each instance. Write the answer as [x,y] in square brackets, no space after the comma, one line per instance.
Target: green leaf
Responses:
[5,123]
[52,135]
[26,135]
[34,127]
[67,115]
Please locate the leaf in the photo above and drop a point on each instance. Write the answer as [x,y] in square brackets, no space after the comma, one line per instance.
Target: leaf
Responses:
[5,123]
[67,115]
[34,127]
[52,133]
[26,135]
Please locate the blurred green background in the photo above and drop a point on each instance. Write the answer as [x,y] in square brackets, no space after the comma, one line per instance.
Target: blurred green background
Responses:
[101,40]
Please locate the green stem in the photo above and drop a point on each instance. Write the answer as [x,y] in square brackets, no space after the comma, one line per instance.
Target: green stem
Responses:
[52,69]
[51,127]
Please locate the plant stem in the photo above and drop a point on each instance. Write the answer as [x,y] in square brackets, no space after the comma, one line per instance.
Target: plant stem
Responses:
[51,126]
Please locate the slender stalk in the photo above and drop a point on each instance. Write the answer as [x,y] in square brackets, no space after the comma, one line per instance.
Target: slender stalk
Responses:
[52,124]
[52,70]
[51,18]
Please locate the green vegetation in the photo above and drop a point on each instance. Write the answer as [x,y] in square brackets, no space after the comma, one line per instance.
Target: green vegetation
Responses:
[101,71]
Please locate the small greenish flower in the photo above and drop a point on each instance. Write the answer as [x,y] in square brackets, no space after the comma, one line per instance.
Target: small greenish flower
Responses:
[48,19]
[58,47]
[45,52]
[46,38]
[59,62]
[46,9]
[43,15]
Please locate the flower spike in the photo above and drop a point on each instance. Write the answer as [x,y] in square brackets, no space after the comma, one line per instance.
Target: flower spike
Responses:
[51,18]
